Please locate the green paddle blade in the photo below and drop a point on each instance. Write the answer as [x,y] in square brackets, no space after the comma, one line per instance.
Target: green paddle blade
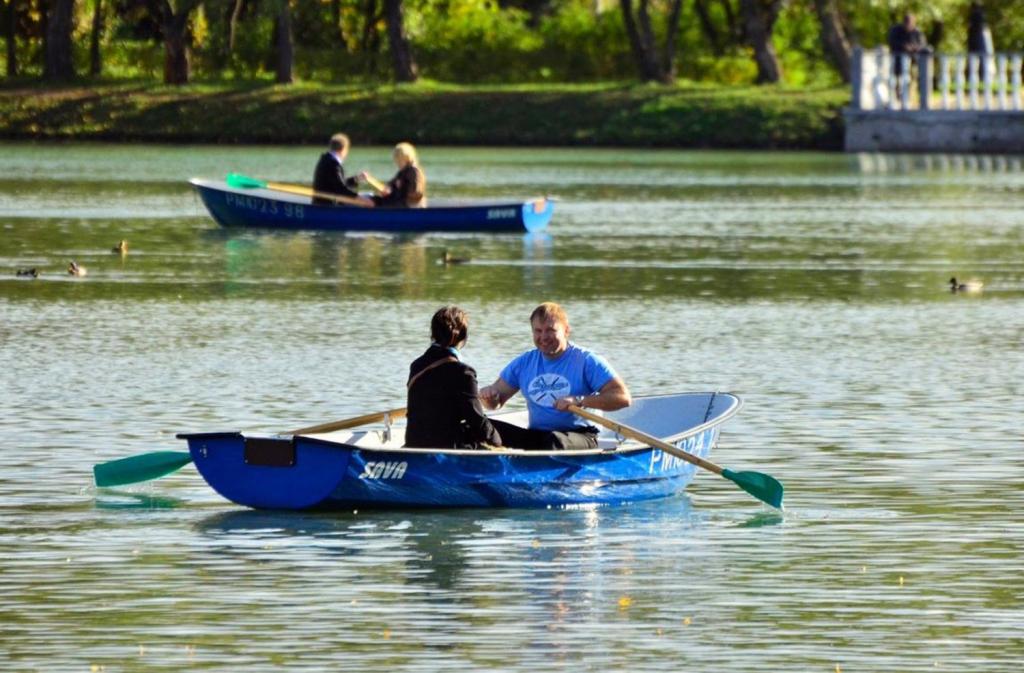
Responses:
[142,467]
[761,486]
[240,181]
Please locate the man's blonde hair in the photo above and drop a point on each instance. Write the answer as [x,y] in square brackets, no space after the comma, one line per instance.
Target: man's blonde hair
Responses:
[549,310]
[339,141]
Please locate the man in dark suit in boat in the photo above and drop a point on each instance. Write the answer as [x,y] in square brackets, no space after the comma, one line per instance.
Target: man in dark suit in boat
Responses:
[552,376]
[329,176]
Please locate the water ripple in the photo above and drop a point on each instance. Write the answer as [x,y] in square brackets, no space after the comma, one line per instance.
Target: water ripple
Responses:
[812,285]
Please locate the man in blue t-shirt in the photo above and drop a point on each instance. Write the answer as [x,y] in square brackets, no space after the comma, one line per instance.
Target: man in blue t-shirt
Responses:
[552,376]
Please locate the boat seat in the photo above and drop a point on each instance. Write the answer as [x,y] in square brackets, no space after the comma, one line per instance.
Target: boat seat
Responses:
[374,438]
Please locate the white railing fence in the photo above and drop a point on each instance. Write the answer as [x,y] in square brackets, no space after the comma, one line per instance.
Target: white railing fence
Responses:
[936,81]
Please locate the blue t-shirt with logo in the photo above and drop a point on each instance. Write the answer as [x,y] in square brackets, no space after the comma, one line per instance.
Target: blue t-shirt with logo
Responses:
[542,381]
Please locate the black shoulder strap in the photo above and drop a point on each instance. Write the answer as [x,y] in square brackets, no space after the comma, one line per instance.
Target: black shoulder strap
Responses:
[426,369]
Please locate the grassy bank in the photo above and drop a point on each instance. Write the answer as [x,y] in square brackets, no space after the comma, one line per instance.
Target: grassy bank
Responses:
[608,115]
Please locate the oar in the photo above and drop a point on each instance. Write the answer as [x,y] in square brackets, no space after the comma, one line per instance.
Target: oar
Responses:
[156,464]
[142,467]
[762,486]
[240,181]
[350,422]
[375,183]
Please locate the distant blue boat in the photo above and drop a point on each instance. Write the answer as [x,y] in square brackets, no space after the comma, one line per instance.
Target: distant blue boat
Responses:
[370,468]
[264,208]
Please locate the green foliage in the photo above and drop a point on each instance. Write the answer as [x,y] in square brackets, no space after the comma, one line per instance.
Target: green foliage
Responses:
[314,26]
[474,41]
[733,70]
[603,114]
[481,41]
[252,44]
[798,40]
[132,59]
[579,45]
[1006,18]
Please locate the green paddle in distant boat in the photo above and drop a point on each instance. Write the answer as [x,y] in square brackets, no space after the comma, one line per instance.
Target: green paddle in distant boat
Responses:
[143,467]
[239,181]
[764,487]
[156,464]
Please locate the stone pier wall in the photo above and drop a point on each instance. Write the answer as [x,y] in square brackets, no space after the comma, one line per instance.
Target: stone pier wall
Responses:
[961,103]
[934,131]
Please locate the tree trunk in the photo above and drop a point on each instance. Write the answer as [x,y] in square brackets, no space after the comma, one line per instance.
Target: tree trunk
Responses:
[833,36]
[58,66]
[285,47]
[642,41]
[758,21]
[401,51]
[708,27]
[236,13]
[370,40]
[11,32]
[935,35]
[369,12]
[671,30]
[336,18]
[730,19]
[177,59]
[647,40]
[95,56]
[44,20]
[174,25]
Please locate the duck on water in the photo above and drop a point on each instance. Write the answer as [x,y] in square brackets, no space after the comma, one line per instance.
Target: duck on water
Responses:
[447,259]
[966,286]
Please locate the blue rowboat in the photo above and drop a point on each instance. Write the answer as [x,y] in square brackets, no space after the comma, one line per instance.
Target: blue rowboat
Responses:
[265,208]
[371,468]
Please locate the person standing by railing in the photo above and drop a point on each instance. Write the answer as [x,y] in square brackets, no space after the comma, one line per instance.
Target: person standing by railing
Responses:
[904,39]
[979,39]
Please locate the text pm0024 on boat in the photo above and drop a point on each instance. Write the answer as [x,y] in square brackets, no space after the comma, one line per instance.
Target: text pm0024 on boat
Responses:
[370,467]
[270,209]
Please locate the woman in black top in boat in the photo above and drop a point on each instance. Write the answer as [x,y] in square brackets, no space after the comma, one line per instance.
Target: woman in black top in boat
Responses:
[444,409]
[408,189]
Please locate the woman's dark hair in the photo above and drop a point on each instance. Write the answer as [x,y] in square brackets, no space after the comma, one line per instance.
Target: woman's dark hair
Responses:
[449,326]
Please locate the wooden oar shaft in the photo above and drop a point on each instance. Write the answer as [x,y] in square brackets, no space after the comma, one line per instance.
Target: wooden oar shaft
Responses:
[350,422]
[306,191]
[375,183]
[633,433]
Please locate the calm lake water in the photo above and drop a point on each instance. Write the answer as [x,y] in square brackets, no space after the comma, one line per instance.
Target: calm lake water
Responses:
[814,286]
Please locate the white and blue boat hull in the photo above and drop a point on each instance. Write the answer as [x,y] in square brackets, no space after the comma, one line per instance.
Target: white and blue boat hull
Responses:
[358,470]
[267,209]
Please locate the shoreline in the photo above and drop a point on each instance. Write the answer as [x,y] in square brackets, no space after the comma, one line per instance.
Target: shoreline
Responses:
[685,116]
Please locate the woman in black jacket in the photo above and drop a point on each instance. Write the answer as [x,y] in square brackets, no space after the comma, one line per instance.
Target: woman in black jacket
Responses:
[444,410]
[408,189]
